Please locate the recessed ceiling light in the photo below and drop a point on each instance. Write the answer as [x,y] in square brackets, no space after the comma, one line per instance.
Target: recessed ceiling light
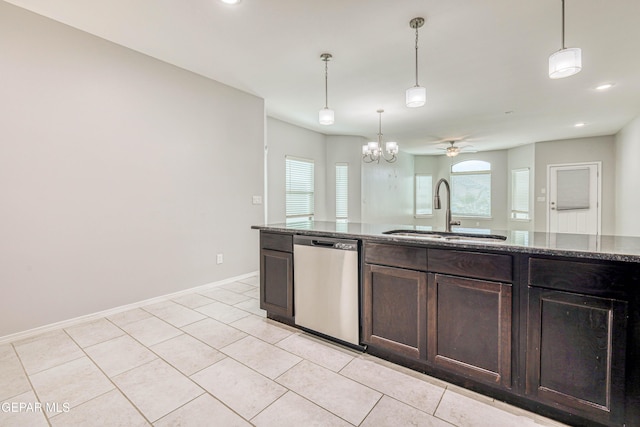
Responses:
[230,1]
[604,86]
[579,125]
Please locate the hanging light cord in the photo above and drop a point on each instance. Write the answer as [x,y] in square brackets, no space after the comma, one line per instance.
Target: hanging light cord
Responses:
[563,24]
[326,82]
[417,55]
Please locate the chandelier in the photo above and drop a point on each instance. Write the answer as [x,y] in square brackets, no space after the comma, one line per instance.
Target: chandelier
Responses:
[372,152]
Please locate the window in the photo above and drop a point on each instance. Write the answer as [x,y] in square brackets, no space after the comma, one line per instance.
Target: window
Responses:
[342,192]
[300,189]
[520,194]
[471,189]
[423,195]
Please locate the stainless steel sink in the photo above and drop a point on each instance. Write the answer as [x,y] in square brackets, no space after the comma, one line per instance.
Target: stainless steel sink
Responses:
[449,236]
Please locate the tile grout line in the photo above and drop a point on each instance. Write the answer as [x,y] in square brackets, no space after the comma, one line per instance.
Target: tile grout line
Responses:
[33,389]
[107,376]
[266,321]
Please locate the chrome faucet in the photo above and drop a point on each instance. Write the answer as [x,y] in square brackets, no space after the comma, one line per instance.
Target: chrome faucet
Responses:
[436,204]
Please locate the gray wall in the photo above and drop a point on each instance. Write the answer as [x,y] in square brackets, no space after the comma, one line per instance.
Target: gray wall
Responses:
[121,176]
[345,149]
[627,178]
[579,150]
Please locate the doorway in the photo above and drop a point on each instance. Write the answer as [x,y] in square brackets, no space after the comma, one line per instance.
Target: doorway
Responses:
[574,198]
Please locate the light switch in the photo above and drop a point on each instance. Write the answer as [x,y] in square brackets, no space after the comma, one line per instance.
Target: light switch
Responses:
[257,200]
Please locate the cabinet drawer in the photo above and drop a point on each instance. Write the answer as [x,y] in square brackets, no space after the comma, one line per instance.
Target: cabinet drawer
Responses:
[276,242]
[396,256]
[471,264]
[598,279]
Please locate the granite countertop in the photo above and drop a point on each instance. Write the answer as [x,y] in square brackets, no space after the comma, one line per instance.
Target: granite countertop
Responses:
[610,248]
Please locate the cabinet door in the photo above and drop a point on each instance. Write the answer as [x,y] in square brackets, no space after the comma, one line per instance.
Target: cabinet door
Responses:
[394,305]
[276,282]
[469,327]
[575,353]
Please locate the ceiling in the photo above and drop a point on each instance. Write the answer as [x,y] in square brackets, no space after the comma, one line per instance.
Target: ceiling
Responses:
[484,62]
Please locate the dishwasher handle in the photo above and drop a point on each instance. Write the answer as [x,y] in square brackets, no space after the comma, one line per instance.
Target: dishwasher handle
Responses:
[323,243]
[326,243]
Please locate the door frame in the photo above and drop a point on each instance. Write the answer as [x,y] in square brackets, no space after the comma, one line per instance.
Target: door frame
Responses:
[598,165]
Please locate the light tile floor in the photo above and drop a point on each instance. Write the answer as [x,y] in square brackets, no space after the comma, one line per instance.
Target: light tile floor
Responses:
[211,358]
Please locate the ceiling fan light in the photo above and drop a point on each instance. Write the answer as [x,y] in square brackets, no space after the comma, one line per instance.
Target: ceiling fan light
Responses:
[326,116]
[416,96]
[565,63]
[452,151]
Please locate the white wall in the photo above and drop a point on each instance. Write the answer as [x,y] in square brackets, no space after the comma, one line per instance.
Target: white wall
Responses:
[121,176]
[627,143]
[601,148]
[284,139]
[387,191]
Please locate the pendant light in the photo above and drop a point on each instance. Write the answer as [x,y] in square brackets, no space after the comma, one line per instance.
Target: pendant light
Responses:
[567,61]
[372,152]
[326,116]
[416,96]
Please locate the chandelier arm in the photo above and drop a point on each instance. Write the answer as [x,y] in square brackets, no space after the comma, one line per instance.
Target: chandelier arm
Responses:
[391,159]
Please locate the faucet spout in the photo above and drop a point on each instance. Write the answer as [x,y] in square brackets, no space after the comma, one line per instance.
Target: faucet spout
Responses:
[437,205]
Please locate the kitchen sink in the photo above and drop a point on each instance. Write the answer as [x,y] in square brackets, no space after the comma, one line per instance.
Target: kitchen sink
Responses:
[449,236]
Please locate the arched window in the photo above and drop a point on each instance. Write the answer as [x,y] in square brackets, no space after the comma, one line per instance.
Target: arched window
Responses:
[471,189]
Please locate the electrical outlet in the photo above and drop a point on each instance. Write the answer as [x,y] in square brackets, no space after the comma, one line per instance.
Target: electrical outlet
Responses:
[257,200]
[219,259]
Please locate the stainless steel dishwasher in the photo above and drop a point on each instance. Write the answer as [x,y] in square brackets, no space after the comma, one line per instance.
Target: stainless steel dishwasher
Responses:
[325,284]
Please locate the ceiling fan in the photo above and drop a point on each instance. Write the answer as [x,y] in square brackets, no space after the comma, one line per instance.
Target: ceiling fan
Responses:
[451,149]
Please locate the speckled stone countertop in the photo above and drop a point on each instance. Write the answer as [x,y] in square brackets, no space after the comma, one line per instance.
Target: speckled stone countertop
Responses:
[610,248]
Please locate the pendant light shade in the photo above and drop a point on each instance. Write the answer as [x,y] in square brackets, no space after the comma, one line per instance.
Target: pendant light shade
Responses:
[326,115]
[567,61]
[416,96]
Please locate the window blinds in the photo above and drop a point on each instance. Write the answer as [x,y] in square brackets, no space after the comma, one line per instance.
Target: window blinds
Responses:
[299,188]
[342,191]
[423,195]
[520,194]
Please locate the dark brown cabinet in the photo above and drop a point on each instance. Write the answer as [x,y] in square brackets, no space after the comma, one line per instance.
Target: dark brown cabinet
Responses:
[469,327]
[276,274]
[394,305]
[576,342]
[557,335]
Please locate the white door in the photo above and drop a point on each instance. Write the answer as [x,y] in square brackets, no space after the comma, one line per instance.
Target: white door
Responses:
[574,193]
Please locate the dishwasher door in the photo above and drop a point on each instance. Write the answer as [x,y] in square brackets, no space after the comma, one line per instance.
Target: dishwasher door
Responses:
[326,286]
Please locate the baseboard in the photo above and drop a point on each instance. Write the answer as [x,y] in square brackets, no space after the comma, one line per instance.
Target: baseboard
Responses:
[95,316]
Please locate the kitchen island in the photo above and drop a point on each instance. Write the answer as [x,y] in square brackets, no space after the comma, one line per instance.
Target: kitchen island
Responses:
[548,322]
